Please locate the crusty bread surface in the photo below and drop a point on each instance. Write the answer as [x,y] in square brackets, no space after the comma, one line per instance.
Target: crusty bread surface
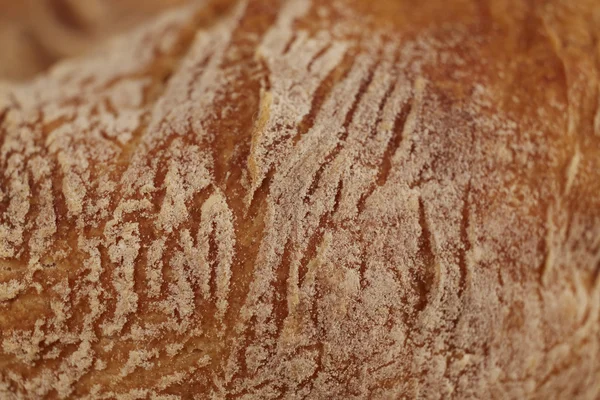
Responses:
[304,199]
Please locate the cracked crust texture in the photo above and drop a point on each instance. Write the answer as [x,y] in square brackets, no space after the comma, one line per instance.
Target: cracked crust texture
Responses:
[309,200]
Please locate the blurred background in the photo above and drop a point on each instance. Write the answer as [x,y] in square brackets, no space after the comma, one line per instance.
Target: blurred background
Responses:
[34,34]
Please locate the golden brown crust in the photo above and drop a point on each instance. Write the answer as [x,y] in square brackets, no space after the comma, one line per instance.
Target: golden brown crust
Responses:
[286,200]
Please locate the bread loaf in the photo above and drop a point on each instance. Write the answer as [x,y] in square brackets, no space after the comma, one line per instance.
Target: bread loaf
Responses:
[34,34]
[347,199]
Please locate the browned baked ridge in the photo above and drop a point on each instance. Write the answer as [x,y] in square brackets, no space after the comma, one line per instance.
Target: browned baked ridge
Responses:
[319,200]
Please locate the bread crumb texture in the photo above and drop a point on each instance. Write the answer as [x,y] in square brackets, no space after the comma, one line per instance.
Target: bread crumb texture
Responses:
[341,199]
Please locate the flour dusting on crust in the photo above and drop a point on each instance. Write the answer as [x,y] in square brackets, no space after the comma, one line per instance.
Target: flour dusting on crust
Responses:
[264,200]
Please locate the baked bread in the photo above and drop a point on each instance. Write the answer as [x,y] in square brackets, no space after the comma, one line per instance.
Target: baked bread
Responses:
[309,200]
[34,34]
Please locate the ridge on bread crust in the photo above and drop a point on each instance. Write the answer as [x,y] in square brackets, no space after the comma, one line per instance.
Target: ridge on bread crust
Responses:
[255,199]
